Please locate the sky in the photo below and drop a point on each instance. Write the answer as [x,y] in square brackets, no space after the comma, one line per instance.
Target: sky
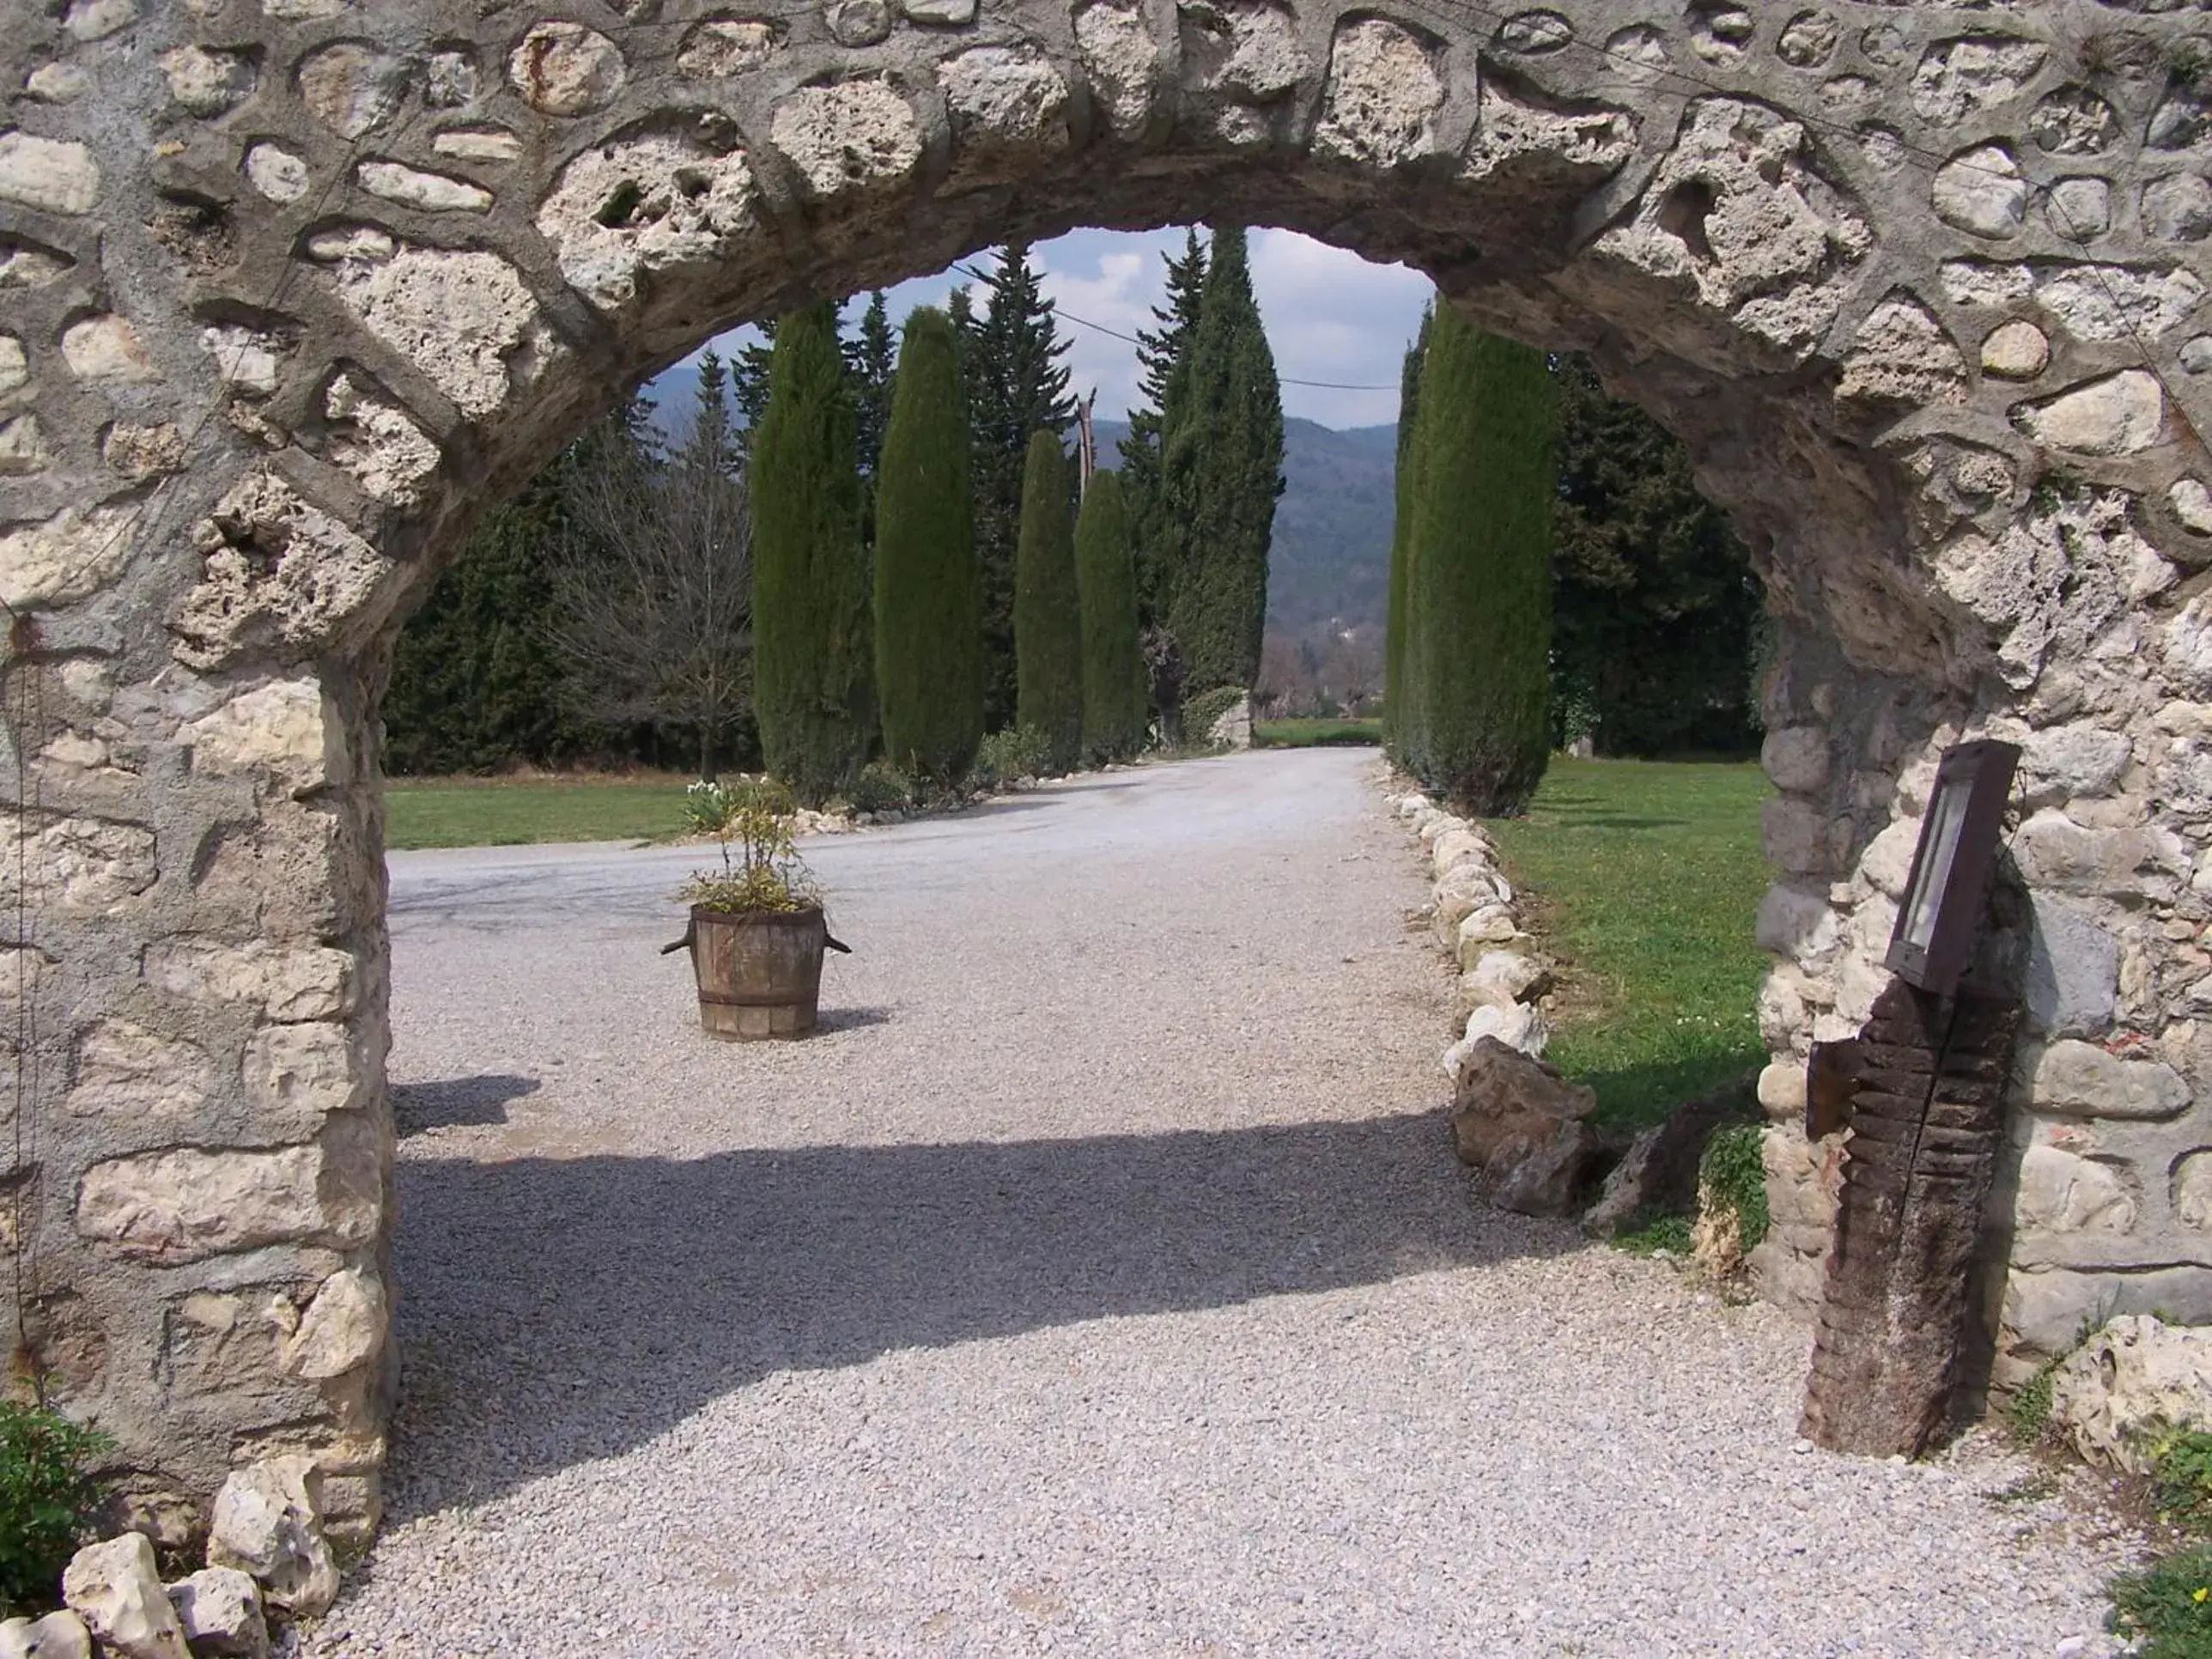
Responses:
[1330,315]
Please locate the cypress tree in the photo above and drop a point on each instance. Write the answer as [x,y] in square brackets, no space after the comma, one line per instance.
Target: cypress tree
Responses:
[1222,465]
[1394,629]
[929,618]
[1114,683]
[813,671]
[1047,629]
[1163,355]
[1476,676]
[1016,383]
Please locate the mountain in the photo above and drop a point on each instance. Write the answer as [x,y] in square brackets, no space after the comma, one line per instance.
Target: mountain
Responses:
[1329,568]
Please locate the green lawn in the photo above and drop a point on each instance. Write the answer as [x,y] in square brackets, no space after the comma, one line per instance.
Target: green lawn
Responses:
[502,811]
[1646,879]
[1313,734]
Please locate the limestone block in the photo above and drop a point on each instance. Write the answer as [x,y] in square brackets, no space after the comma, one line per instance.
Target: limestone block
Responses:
[725,45]
[58,1635]
[268,1522]
[1782,1018]
[450,82]
[296,983]
[1796,758]
[15,372]
[78,866]
[1794,836]
[352,88]
[373,438]
[631,210]
[1004,103]
[1517,1026]
[1886,864]
[58,83]
[205,82]
[280,578]
[1808,40]
[116,1590]
[343,1328]
[1463,890]
[1461,844]
[477,144]
[2100,303]
[95,20]
[2073,968]
[464,318]
[1502,978]
[1960,77]
[2061,762]
[2121,414]
[2061,1192]
[1245,49]
[104,350]
[1515,139]
[2017,350]
[1782,1091]
[1523,1128]
[296,1075]
[222,1344]
[856,136]
[2133,1376]
[860,22]
[943,14]
[2191,502]
[565,69]
[2077,1076]
[248,360]
[220,1610]
[2080,210]
[1384,96]
[1797,924]
[433,192]
[1121,59]
[48,175]
[2054,852]
[2196,355]
[1491,924]
[2178,208]
[1982,191]
[22,448]
[129,1073]
[186,1204]
[2190,1192]
[1902,356]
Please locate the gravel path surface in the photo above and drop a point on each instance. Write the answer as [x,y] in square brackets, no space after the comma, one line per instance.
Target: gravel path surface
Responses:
[1099,1282]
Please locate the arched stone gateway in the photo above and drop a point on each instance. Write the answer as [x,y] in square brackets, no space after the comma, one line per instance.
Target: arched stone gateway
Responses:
[293,288]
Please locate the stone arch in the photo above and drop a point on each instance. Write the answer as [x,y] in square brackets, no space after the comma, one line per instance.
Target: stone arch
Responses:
[294,286]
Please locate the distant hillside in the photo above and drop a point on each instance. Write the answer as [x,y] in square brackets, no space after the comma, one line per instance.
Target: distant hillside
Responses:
[1331,560]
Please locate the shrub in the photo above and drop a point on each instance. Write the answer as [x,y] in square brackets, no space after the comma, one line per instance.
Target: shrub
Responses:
[46,1496]
[761,870]
[881,788]
[1018,752]
[1648,1235]
[2168,1607]
[1200,714]
[2181,1475]
[1732,1176]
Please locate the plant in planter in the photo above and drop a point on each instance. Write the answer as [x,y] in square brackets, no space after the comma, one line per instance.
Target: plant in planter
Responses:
[757,931]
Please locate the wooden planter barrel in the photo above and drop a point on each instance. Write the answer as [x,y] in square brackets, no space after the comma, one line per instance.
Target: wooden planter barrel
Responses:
[759,973]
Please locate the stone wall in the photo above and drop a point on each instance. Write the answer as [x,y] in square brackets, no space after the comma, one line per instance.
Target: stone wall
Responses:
[293,288]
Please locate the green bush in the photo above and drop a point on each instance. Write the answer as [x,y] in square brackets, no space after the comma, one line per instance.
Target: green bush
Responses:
[46,1498]
[2181,1475]
[1020,752]
[881,788]
[1648,1235]
[1200,714]
[2168,1607]
[1734,1173]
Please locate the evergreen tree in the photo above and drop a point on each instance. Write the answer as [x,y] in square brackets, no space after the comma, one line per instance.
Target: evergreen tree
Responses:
[1393,630]
[814,658]
[749,385]
[1016,383]
[1222,461]
[1163,355]
[871,359]
[1476,677]
[929,620]
[1655,606]
[1114,688]
[1047,628]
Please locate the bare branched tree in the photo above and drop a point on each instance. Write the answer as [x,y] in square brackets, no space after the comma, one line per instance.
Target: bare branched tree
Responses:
[652,583]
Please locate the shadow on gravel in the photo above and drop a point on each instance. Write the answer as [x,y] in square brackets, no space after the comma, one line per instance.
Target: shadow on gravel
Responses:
[456,1101]
[848,1019]
[562,1310]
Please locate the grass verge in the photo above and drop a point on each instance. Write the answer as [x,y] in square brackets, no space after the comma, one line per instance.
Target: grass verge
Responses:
[508,812]
[1644,880]
[1315,733]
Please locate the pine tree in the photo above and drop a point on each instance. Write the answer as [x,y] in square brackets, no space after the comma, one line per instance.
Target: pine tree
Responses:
[1393,631]
[1048,627]
[1114,690]
[929,620]
[870,358]
[749,385]
[1163,355]
[712,439]
[1222,461]
[814,657]
[1655,606]
[1476,676]
[1016,382]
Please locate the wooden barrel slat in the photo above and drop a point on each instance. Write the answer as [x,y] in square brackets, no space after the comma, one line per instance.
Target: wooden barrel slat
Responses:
[759,975]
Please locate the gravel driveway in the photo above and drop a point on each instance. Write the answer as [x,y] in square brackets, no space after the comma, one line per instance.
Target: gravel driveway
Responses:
[1098,1282]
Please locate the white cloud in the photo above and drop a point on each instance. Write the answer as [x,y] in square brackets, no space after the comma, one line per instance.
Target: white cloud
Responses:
[1330,316]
